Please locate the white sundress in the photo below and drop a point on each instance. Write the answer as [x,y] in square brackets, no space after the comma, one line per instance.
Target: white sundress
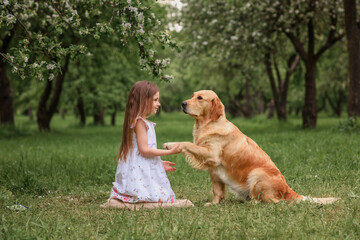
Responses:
[142,179]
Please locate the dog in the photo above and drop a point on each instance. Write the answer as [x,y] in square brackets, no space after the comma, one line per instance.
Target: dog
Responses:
[231,158]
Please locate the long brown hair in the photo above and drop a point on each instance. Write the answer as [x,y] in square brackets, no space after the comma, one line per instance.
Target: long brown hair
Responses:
[139,103]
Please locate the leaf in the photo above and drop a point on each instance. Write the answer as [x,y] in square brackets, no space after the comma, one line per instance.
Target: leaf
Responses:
[352,195]
[4,193]
[17,207]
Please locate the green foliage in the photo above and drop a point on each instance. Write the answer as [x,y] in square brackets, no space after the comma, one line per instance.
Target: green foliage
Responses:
[351,125]
[235,35]
[47,31]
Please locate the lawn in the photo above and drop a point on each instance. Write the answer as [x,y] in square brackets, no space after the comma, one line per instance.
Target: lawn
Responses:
[62,177]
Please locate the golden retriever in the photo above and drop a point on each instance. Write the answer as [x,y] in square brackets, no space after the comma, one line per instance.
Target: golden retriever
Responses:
[231,157]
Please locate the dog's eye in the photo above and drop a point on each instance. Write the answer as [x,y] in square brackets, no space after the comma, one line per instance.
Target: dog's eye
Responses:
[199,97]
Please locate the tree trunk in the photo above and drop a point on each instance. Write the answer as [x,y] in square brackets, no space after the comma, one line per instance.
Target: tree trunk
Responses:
[44,113]
[336,104]
[271,106]
[309,112]
[30,114]
[96,119]
[247,108]
[280,92]
[6,97]
[310,58]
[101,117]
[113,117]
[80,107]
[352,29]
[275,101]
[260,103]
[63,113]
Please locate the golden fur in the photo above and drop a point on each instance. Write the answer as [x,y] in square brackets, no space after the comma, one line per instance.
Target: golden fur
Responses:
[231,157]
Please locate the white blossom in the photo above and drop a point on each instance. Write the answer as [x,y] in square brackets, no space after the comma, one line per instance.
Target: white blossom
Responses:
[133,9]
[213,22]
[126,25]
[168,77]
[141,31]
[142,62]
[50,66]
[10,19]
[151,53]
[51,76]
[140,16]
[165,62]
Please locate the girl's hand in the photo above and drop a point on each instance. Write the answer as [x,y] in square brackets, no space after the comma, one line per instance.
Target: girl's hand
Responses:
[175,149]
[167,166]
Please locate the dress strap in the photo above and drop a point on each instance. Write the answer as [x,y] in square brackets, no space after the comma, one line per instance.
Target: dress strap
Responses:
[146,122]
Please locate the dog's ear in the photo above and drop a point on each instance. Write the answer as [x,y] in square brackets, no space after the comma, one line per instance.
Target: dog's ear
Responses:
[216,110]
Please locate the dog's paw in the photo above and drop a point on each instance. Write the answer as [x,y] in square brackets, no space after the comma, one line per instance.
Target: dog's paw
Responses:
[210,204]
[169,145]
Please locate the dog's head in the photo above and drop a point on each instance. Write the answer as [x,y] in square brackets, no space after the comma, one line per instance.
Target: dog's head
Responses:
[204,105]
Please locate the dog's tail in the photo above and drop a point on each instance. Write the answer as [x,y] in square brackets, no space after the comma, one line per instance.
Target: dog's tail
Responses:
[328,200]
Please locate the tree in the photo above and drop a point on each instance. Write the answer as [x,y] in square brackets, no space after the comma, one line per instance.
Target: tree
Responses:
[237,36]
[302,21]
[332,78]
[220,32]
[6,98]
[280,85]
[352,28]
[49,32]
[48,104]
[244,29]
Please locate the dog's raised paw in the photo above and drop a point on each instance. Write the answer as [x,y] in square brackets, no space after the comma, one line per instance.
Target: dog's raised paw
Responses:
[168,145]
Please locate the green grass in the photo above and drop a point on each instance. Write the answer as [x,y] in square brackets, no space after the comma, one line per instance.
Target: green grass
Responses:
[62,177]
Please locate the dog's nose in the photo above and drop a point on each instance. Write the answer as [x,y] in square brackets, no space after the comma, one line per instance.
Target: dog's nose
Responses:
[184,104]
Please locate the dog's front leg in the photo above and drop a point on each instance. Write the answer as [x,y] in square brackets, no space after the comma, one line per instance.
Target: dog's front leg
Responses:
[200,157]
[218,188]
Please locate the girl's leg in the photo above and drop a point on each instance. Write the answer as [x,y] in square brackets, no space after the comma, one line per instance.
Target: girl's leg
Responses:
[115,203]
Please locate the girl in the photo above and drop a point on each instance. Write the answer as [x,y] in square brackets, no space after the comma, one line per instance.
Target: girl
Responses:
[140,174]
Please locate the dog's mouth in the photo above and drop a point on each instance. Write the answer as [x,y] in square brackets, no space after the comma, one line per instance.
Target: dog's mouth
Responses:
[191,115]
[184,109]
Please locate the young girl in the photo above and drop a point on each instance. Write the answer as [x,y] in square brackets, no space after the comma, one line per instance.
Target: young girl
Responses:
[140,179]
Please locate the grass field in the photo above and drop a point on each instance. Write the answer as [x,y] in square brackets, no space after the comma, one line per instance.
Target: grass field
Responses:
[62,177]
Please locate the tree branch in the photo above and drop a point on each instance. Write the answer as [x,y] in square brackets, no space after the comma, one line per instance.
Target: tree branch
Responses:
[298,45]
[294,64]
[277,73]
[331,40]
[328,44]
[20,22]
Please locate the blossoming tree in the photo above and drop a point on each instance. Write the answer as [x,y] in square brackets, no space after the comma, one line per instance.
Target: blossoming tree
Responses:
[242,31]
[41,38]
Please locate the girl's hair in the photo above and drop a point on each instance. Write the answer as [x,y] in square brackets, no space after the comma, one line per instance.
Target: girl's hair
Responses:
[139,103]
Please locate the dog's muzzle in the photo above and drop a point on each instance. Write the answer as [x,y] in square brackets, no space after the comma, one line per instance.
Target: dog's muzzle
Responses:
[184,105]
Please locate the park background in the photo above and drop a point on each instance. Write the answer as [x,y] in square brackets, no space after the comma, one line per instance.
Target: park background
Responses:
[287,73]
